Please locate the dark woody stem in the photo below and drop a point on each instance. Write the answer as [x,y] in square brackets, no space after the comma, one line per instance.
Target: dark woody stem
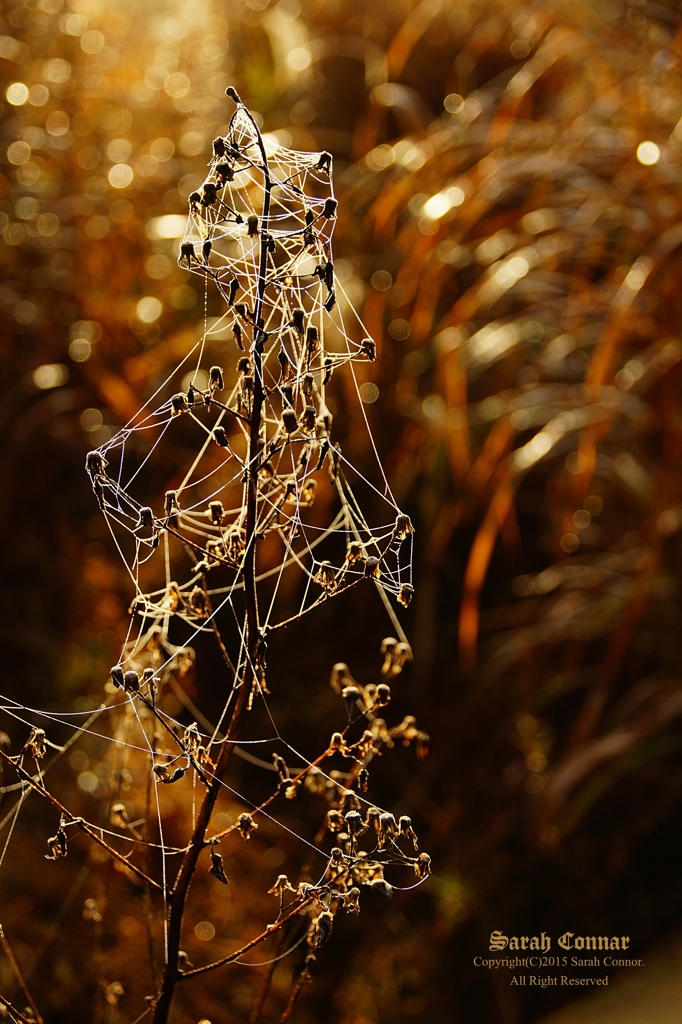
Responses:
[244,679]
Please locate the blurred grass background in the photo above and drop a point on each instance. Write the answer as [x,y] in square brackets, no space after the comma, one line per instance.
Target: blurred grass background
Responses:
[509,180]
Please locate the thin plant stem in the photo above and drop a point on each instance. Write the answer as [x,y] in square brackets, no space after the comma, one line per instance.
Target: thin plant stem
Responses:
[16,970]
[179,892]
[19,1017]
[292,910]
[71,819]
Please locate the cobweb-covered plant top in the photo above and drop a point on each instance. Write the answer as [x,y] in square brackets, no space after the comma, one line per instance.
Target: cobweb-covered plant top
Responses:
[259,229]
[209,558]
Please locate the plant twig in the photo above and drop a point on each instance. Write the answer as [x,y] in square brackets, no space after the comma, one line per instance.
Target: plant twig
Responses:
[71,819]
[178,895]
[12,1009]
[292,910]
[16,970]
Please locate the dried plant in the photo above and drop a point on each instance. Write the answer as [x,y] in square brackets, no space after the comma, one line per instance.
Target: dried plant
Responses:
[210,560]
[487,162]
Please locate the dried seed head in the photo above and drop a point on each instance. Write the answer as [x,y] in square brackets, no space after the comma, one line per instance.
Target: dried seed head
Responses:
[191,737]
[387,823]
[119,816]
[216,511]
[349,800]
[354,823]
[403,526]
[350,694]
[336,856]
[308,418]
[307,384]
[117,676]
[170,502]
[382,695]
[395,656]
[179,404]
[405,594]
[351,901]
[183,962]
[145,516]
[381,733]
[337,742]
[355,553]
[373,815]
[164,774]
[113,992]
[216,869]
[131,681]
[381,886]
[340,677]
[57,845]
[235,541]
[187,249]
[408,731]
[405,828]
[281,886]
[326,576]
[281,766]
[422,866]
[210,194]
[289,421]
[220,437]
[198,602]
[369,349]
[307,496]
[329,210]
[325,162]
[215,378]
[388,647]
[387,828]
[298,320]
[321,929]
[246,825]
[335,820]
[94,463]
[372,568]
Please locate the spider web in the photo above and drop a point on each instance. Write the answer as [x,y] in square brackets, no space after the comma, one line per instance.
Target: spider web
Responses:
[259,230]
[304,340]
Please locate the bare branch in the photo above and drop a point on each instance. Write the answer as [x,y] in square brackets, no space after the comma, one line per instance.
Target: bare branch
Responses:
[71,819]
